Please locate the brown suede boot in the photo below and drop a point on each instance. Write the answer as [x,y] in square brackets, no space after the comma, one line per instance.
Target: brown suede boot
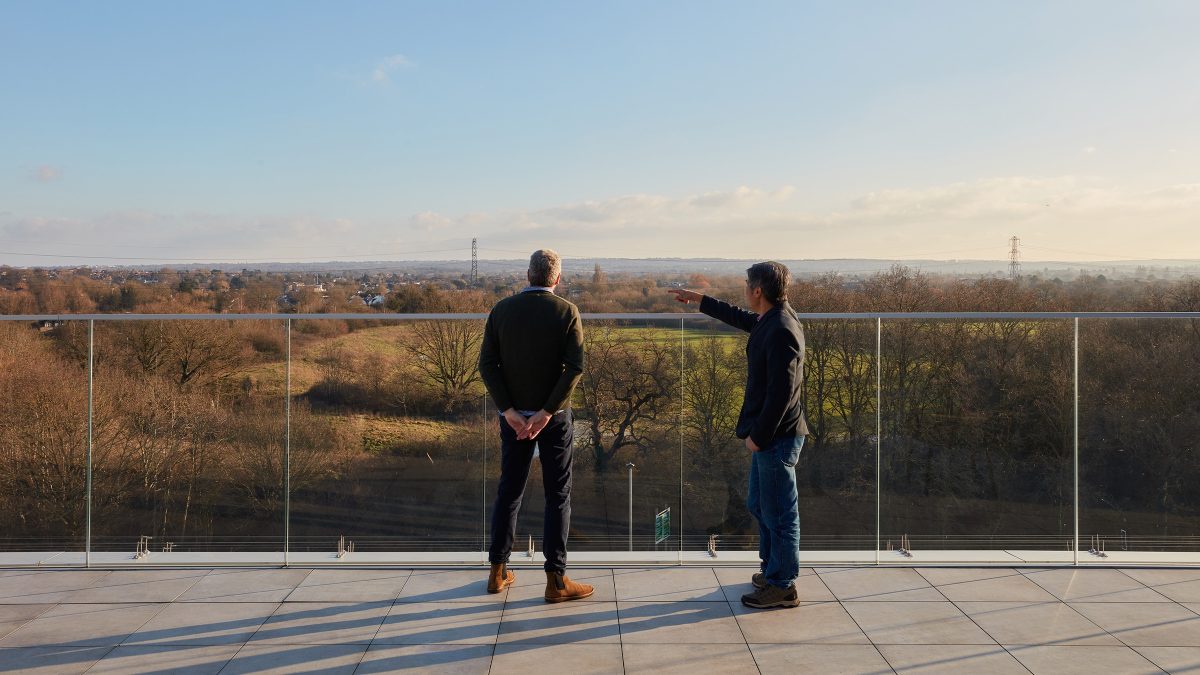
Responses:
[559,588]
[501,578]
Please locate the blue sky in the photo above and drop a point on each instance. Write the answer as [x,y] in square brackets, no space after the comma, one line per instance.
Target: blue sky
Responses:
[310,131]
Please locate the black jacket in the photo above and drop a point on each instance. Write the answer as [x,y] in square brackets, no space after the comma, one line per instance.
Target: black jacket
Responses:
[532,352]
[773,407]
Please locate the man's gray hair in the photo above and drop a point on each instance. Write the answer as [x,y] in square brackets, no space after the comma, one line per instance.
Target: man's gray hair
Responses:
[545,266]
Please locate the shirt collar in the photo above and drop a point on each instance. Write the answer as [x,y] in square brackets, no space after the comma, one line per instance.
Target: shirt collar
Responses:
[535,289]
[775,309]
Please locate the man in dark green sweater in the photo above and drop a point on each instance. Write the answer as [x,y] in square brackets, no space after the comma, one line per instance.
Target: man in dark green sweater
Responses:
[531,359]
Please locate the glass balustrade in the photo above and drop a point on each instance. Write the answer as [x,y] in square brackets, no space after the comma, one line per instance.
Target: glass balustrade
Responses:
[268,439]
[976,434]
[1139,434]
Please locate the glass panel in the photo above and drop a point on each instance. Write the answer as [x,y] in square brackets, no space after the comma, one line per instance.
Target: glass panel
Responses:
[387,446]
[977,431]
[189,419]
[626,410]
[1139,421]
[836,471]
[43,435]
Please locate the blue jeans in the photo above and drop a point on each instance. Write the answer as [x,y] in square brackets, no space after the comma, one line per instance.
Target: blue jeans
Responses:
[773,500]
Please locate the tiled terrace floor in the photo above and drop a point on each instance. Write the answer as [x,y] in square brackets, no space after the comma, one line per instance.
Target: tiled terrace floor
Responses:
[665,620]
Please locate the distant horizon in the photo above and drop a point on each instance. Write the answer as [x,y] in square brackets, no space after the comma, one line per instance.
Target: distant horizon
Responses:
[649,265]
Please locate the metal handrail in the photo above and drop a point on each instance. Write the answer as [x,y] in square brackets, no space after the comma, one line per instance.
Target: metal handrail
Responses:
[600,316]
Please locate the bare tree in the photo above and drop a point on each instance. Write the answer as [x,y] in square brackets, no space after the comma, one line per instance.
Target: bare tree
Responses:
[712,393]
[203,351]
[629,383]
[447,354]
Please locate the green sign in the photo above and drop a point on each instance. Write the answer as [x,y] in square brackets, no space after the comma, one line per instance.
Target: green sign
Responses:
[662,526]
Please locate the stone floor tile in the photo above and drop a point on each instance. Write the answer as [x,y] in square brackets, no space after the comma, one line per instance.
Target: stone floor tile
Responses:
[1035,623]
[268,659]
[203,623]
[13,617]
[783,659]
[432,659]
[1083,660]
[951,659]
[940,576]
[1173,659]
[322,623]
[1151,624]
[245,586]
[451,586]
[540,623]
[928,623]
[585,659]
[1016,588]
[138,586]
[350,586]
[531,584]
[880,584]
[1093,585]
[1161,577]
[818,622]
[671,584]
[50,660]
[440,623]
[82,626]
[735,582]
[46,587]
[174,659]
[687,659]
[1179,591]
[683,622]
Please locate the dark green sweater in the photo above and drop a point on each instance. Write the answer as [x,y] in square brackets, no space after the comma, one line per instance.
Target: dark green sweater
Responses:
[532,353]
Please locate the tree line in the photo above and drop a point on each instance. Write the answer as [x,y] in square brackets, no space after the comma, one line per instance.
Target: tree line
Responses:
[976,420]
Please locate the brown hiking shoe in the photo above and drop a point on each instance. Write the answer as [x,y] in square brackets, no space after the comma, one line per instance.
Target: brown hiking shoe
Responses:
[560,588]
[759,580]
[501,578]
[772,596]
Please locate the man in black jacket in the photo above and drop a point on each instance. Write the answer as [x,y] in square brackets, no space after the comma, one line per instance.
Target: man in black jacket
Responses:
[771,422]
[530,361]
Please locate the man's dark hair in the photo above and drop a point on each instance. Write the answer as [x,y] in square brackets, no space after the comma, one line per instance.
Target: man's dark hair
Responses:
[772,277]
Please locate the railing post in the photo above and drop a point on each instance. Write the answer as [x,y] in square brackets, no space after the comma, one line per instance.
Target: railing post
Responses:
[878,433]
[1075,438]
[287,447]
[87,516]
[483,519]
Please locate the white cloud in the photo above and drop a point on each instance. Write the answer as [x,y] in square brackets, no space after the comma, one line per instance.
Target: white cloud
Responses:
[382,73]
[959,220]
[1061,217]
[46,173]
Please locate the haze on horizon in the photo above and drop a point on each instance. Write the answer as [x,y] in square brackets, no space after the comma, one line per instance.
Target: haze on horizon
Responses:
[224,132]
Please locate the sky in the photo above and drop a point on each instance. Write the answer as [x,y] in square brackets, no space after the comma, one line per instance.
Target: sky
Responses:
[133,133]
